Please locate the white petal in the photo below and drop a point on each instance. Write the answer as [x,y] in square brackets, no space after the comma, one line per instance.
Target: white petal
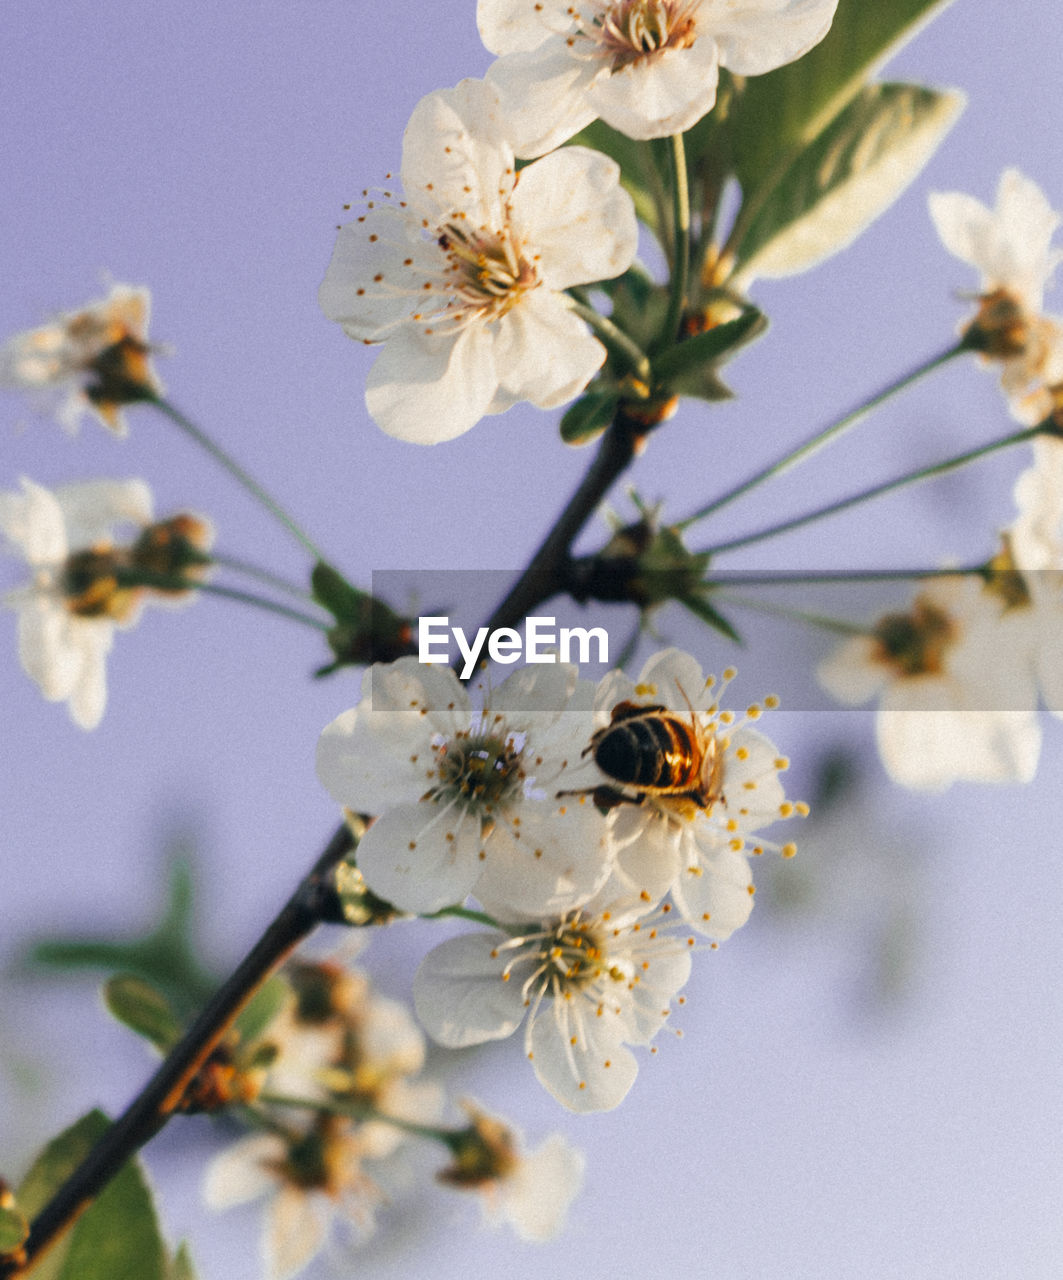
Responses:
[427,389]
[460,995]
[364,759]
[572,208]
[421,857]
[546,354]
[853,673]
[45,649]
[536,1196]
[930,749]
[760,35]
[88,698]
[377,275]
[296,1226]
[454,155]
[714,889]
[543,96]
[92,508]
[659,96]
[242,1172]
[579,1056]
[508,25]
[32,521]
[554,858]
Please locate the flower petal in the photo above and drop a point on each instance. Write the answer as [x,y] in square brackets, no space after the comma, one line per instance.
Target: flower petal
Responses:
[460,993]
[421,857]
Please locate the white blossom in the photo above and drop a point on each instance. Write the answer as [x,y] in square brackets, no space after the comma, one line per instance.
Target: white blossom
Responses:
[68,612]
[1011,247]
[463,279]
[589,982]
[467,800]
[1035,541]
[89,361]
[668,840]
[957,697]
[530,1190]
[313,1178]
[648,68]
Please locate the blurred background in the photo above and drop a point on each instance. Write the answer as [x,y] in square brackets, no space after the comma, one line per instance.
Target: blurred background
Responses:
[868,1081]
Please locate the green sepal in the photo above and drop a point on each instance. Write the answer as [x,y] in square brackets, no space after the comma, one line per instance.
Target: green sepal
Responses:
[262,1008]
[779,113]
[686,363]
[367,630]
[117,1237]
[13,1230]
[143,1009]
[700,608]
[333,592]
[853,171]
[589,416]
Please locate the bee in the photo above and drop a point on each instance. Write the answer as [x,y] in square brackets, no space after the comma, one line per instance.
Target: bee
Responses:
[655,753]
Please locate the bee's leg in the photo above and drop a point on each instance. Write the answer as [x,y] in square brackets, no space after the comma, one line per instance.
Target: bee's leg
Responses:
[604,798]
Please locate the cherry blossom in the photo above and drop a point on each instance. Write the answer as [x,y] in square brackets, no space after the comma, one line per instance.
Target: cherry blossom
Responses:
[649,68]
[467,800]
[463,279]
[957,697]
[90,361]
[590,982]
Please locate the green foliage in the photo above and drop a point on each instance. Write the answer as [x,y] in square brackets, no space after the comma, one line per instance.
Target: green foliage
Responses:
[143,1009]
[367,630]
[165,956]
[333,592]
[181,1265]
[842,181]
[700,607]
[117,1237]
[589,415]
[689,360]
[777,114]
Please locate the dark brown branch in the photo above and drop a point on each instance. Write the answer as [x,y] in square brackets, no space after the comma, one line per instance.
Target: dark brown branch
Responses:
[311,903]
[314,901]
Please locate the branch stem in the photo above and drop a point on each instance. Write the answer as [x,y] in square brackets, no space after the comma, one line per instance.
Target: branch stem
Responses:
[824,436]
[160,1098]
[238,473]
[876,491]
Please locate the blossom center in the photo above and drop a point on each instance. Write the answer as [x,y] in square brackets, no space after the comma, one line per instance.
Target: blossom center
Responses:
[480,771]
[629,31]
[91,585]
[486,271]
[915,643]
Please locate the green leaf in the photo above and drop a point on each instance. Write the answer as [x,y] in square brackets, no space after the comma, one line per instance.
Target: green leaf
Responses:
[332,590]
[701,608]
[262,1008]
[181,1267]
[778,113]
[143,1009]
[117,1237]
[13,1230]
[165,956]
[691,356]
[589,416]
[58,1161]
[853,172]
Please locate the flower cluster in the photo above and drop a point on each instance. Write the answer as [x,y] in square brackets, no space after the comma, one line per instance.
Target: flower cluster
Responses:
[84,585]
[569,813]
[340,1098]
